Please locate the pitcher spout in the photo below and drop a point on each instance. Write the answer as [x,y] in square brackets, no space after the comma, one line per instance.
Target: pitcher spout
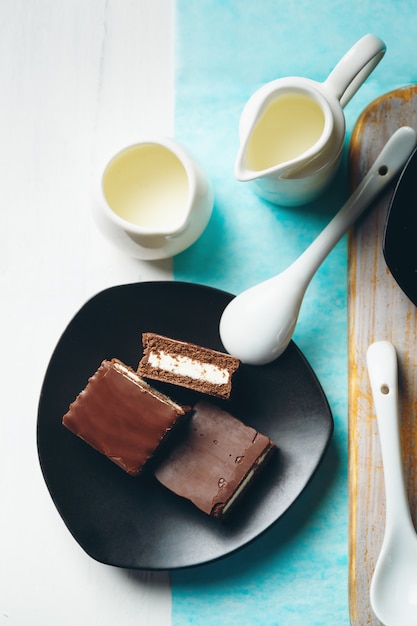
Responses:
[243,173]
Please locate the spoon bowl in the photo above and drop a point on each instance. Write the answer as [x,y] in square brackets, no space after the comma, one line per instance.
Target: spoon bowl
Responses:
[257,325]
[393,590]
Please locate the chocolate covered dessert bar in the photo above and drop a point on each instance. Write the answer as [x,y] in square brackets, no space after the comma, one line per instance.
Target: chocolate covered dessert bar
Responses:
[216,460]
[122,416]
[188,365]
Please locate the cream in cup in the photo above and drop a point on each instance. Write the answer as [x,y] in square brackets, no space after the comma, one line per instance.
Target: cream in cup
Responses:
[153,199]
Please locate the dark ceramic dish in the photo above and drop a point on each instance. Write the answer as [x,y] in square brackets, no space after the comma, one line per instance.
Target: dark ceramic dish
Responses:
[135,522]
[400,237]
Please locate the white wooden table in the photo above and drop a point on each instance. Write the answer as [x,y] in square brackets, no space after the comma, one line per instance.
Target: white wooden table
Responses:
[77,79]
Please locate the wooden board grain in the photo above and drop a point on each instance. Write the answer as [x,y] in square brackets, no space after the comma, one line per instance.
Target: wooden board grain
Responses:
[378,309]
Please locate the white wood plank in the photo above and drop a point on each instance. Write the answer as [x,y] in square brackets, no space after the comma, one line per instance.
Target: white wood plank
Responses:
[77,78]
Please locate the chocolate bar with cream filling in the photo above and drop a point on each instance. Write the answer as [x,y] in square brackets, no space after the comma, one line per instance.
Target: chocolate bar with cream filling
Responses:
[122,416]
[187,365]
[216,460]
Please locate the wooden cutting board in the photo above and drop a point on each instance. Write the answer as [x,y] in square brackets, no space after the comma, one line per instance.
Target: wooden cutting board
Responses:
[378,309]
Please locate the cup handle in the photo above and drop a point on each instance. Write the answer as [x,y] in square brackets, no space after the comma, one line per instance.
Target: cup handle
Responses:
[354,67]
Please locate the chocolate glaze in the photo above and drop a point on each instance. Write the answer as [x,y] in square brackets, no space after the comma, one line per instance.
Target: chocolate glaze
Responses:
[216,454]
[121,416]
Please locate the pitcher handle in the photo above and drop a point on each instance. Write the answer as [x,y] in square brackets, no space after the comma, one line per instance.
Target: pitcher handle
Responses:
[354,67]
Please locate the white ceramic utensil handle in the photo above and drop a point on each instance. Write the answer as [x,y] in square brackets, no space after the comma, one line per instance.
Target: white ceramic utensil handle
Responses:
[383,375]
[386,166]
[354,68]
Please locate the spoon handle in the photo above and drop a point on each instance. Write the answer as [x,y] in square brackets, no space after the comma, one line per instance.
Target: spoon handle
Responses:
[383,375]
[386,166]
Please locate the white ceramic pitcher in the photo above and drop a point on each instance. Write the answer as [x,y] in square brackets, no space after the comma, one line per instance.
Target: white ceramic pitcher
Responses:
[292,130]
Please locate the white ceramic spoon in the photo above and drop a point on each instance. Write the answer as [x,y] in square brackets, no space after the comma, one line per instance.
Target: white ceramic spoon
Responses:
[394,583]
[257,325]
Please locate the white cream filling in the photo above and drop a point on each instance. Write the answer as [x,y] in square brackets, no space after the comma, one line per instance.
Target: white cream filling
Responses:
[184,366]
[245,482]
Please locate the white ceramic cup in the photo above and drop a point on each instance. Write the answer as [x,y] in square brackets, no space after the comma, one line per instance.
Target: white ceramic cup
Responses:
[152,200]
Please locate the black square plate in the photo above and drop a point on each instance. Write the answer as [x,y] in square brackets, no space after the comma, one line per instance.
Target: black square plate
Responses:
[135,522]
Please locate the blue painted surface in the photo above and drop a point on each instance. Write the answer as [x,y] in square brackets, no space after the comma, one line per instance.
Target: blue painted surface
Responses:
[296,573]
